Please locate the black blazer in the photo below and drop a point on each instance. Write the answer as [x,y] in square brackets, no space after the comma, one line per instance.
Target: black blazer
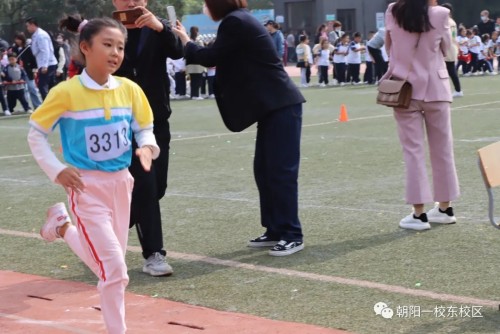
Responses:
[250,80]
[149,68]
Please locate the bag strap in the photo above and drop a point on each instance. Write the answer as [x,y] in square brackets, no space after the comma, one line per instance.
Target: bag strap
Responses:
[411,63]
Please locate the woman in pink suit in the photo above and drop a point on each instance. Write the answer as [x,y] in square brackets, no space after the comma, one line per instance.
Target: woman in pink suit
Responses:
[418,35]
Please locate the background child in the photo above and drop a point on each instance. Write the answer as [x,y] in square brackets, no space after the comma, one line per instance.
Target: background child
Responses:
[323,55]
[96,114]
[14,78]
[304,56]
[354,58]
[463,51]
[341,50]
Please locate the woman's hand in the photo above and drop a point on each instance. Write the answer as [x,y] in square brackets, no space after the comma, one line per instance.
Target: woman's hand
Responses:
[145,155]
[70,179]
[180,31]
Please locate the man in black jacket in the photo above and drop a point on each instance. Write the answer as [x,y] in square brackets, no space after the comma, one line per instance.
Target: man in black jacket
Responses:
[486,26]
[150,41]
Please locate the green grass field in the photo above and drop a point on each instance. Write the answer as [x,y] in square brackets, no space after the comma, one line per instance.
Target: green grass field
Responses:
[351,200]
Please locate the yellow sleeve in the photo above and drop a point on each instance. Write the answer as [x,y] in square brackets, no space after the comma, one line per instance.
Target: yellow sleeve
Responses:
[47,115]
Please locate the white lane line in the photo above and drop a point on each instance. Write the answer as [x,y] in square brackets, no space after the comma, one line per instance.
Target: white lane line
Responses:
[305,275]
[15,156]
[44,323]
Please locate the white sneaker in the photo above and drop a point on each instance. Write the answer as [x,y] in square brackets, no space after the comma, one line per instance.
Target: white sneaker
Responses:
[322,84]
[410,222]
[435,215]
[57,216]
[342,84]
[29,111]
[492,73]
[7,113]
[197,98]
[468,74]
[458,94]
[211,96]
[305,85]
[156,265]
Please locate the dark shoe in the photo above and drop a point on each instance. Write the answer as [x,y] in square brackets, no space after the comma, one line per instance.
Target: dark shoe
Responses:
[263,241]
[284,248]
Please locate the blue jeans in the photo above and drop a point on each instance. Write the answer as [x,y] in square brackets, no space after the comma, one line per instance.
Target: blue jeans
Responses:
[46,80]
[32,94]
[276,170]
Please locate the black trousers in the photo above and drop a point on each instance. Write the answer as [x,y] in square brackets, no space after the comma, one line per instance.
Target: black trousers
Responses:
[378,60]
[452,72]
[2,99]
[196,79]
[340,70]
[13,96]
[369,73]
[149,188]
[210,81]
[354,73]
[323,74]
[180,83]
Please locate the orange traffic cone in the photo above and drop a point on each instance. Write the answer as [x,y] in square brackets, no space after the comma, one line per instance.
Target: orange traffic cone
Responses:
[343,114]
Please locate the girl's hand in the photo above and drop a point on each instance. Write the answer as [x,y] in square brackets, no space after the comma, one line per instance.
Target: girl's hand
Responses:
[145,154]
[70,179]
[180,31]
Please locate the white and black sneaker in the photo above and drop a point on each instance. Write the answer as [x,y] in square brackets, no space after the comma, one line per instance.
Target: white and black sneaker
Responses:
[436,215]
[284,248]
[263,241]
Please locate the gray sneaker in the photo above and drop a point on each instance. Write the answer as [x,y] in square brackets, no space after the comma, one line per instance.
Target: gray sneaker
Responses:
[156,265]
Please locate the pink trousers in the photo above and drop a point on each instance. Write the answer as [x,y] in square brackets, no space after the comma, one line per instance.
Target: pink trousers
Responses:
[99,237]
[434,119]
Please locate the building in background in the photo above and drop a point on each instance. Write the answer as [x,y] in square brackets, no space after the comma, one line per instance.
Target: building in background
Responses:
[355,15]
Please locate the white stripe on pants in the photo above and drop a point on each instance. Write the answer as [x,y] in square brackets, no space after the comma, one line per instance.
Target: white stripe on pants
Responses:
[101,214]
[436,118]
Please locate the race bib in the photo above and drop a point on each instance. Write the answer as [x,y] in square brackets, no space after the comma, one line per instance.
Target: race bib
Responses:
[106,142]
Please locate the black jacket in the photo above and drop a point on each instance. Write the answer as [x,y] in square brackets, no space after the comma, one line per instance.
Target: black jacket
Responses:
[148,68]
[250,80]
[26,58]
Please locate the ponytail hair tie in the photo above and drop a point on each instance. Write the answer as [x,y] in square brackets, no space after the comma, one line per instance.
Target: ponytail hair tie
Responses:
[81,25]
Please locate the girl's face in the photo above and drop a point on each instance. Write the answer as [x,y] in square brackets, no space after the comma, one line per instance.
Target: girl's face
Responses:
[346,40]
[462,32]
[325,44]
[105,53]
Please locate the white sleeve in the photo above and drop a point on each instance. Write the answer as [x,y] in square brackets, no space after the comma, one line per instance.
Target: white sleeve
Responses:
[146,137]
[62,60]
[46,159]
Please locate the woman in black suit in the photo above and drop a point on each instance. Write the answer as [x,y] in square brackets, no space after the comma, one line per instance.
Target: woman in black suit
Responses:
[252,86]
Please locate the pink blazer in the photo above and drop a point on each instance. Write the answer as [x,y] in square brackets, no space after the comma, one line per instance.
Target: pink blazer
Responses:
[428,76]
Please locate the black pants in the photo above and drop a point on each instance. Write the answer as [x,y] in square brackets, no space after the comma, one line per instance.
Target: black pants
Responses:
[465,66]
[354,73]
[46,80]
[203,87]
[369,73]
[340,70]
[210,81]
[452,72]
[13,96]
[196,79]
[323,74]
[180,83]
[149,188]
[474,62]
[2,99]
[276,170]
[378,60]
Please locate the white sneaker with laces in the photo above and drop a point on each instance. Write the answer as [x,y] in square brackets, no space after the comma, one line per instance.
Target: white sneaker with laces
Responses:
[435,215]
[458,94]
[57,216]
[156,265]
[7,113]
[197,98]
[411,222]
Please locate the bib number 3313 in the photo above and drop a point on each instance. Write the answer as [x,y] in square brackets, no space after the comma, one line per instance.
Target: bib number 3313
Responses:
[106,142]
